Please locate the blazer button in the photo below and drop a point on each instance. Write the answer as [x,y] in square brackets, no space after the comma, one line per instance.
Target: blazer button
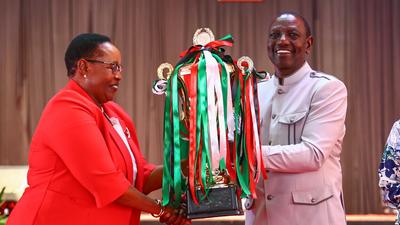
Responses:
[280,91]
[273,116]
[313,200]
[270,197]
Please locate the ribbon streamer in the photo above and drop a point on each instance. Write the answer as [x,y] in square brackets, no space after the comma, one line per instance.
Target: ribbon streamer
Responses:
[218,133]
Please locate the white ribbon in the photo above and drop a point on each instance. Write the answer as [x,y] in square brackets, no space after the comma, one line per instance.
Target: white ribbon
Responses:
[230,119]
[221,117]
[215,107]
[159,87]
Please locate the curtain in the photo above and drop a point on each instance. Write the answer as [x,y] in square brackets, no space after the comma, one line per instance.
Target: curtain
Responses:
[355,40]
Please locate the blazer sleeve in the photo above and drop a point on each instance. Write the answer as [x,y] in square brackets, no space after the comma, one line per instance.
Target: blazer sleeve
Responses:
[79,143]
[323,128]
[389,168]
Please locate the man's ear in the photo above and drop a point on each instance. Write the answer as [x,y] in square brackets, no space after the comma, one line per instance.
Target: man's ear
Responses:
[309,42]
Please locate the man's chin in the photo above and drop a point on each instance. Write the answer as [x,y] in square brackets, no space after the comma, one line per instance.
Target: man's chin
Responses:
[283,66]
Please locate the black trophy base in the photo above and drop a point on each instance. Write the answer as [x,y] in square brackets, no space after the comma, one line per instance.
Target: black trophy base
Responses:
[221,201]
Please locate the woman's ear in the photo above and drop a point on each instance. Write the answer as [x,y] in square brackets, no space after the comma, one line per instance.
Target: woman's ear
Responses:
[82,66]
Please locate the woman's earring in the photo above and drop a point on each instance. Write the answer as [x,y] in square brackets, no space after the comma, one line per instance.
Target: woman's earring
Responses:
[84,76]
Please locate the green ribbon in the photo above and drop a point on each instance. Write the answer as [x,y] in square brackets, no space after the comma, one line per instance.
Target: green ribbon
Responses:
[167,178]
[172,141]
[176,138]
[202,121]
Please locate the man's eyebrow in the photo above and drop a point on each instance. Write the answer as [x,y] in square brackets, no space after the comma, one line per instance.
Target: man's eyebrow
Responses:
[274,29]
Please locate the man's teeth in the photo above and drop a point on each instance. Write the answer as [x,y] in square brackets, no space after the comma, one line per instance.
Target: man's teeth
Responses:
[283,52]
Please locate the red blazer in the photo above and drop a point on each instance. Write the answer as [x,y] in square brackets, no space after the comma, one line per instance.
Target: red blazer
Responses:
[78,165]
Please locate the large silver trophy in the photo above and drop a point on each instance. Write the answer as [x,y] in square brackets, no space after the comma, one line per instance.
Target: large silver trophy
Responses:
[211,121]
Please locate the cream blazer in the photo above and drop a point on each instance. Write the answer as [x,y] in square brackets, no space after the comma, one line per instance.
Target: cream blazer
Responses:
[303,125]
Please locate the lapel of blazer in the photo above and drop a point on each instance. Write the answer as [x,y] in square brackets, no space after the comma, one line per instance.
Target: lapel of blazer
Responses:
[72,85]
[120,144]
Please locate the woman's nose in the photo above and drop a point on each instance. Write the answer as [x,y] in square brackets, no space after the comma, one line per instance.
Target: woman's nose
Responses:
[118,75]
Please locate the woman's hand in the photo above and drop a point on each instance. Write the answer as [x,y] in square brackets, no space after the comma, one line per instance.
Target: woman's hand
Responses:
[173,216]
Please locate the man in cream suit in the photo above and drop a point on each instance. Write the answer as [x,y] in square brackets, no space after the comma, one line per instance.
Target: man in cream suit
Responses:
[302,118]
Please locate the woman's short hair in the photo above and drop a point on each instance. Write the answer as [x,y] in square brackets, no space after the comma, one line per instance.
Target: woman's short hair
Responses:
[82,46]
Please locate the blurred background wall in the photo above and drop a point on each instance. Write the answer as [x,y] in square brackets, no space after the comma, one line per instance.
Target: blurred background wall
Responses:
[356,40]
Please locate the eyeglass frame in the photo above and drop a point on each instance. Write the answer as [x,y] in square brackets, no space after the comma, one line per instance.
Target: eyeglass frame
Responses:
[115,67]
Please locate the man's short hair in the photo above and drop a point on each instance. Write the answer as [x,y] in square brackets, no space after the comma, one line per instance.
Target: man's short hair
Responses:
[82,46]
[297,15]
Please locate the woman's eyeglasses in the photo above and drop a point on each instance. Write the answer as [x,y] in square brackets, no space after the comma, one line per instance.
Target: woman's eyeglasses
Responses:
[115,67]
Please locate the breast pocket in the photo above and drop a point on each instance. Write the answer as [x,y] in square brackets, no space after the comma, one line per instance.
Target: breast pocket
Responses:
[294,124]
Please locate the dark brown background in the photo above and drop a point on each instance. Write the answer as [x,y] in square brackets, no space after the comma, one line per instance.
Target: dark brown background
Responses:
[356,40]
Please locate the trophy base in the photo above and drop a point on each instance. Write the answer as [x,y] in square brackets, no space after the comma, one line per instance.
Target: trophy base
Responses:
[221,201]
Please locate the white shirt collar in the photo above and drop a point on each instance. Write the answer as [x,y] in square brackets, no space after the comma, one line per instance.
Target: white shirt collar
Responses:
[293,78]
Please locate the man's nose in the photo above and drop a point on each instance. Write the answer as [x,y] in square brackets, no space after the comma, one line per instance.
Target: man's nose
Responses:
[283,37]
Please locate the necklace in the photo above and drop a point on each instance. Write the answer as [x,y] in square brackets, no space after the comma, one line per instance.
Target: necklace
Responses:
[105,114]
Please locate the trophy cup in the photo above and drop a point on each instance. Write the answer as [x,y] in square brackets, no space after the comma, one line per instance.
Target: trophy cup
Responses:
[211,120]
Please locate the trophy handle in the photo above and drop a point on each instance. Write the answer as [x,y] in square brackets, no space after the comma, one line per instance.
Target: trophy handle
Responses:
[250,64]
[161,68]
[203,36]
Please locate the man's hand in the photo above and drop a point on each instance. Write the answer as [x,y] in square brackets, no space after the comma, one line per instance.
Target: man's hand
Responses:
[185,167]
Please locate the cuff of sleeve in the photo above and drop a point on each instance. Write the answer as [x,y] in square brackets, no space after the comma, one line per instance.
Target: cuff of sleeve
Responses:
[268,150]
[265,150]
[148,169]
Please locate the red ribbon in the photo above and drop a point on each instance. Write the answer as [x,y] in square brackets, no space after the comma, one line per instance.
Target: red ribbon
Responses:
[192,131]
[213,45]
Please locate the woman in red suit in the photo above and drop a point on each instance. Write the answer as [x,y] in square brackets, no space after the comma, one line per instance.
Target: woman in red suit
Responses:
[85,165]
